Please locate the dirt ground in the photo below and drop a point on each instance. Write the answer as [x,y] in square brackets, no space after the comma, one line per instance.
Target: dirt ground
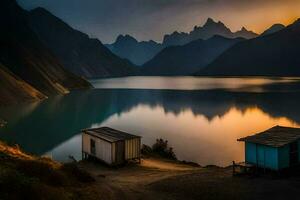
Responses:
[163,179]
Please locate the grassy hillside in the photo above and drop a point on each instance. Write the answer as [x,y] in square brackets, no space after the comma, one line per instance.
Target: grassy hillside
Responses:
[24,176]
[15,90]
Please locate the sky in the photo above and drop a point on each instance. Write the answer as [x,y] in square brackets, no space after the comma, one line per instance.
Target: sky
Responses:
[152,19]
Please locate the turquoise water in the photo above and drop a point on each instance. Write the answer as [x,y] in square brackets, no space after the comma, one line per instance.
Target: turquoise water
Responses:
[202,118]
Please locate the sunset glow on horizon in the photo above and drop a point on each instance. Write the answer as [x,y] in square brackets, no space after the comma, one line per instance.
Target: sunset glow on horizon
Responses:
[152,19]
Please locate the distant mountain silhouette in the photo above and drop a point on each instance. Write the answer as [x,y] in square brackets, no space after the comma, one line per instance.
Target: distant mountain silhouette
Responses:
[244,33]
[22,53]
[137,52]
[187,59]
[273,29]
[141,52]
[209,29]
[276,54]
[80,54]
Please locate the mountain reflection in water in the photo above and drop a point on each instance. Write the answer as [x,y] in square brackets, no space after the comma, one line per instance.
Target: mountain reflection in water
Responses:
[201,125]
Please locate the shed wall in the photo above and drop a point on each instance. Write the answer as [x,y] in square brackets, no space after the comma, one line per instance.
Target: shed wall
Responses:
[271,157]
[113,152]
[261,155]
[250,153]
[132,148]
[284,157]
[103,148]
[299,151]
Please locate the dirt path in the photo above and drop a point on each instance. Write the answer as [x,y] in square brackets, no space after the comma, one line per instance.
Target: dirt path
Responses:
[157,179]
[132,181]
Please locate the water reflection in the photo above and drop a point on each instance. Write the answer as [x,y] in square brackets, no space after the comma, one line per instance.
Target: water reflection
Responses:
[246,84]
[202,125]
[195,137]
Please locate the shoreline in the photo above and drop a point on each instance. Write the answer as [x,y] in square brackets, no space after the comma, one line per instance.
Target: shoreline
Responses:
[155,178]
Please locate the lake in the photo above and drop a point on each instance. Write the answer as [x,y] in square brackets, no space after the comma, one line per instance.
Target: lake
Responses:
[202,118]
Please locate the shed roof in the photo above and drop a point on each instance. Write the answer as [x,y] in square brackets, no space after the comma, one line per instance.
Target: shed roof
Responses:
[277,136]
[109,134]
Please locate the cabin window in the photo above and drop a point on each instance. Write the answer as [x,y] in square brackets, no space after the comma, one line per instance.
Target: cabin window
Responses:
[93,147]
[294,153]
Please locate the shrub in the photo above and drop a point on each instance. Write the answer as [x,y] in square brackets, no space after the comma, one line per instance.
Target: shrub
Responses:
[162,148]
[146,150]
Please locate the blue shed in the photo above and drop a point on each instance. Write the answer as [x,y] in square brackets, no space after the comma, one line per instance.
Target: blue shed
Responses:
[276,148]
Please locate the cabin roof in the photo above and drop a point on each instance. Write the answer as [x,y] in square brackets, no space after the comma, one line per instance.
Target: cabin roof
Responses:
[109,134]
[277,136]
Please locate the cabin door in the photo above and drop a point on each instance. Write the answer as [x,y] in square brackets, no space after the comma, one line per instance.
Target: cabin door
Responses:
[294,153]
[93,147]
[120,152]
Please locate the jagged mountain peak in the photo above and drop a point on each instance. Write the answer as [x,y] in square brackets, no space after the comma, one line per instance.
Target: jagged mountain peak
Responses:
[40,9]
[136,51]
[243,29]
[297,22]
[245,33]
[211,22]
[274,28]
[175,33]
[127,38]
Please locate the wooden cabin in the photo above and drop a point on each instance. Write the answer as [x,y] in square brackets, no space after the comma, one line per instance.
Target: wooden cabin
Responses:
[276,148]
[111,146]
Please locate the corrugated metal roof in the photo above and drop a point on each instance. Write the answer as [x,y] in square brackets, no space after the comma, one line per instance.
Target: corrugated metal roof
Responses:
[277,136]
[109,134]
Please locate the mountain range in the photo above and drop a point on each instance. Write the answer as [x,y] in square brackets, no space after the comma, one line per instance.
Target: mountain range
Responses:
[274,54]
[80,54]
[128,47]
[188,58]
[209,29]
[40,55]
[141,52]
[31,69]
